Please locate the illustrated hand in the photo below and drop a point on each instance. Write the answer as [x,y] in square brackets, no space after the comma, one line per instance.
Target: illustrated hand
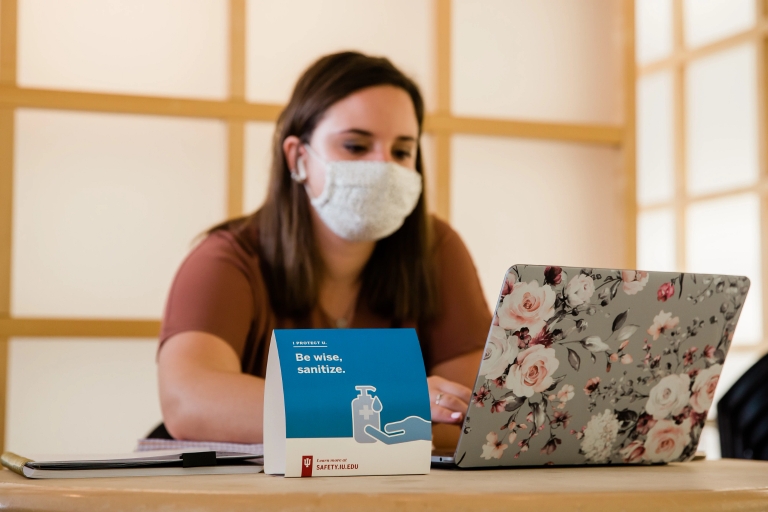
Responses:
[411,428]
[448,400]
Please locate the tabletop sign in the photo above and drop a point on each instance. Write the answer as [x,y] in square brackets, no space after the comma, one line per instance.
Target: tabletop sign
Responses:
[342,402]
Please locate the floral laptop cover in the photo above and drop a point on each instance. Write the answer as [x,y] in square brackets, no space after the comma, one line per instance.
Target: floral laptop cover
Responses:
[598,366]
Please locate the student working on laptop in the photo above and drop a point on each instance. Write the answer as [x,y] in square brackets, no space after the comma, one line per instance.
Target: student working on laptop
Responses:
[342,240]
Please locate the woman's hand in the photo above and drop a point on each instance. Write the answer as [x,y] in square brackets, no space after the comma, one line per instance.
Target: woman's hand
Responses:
[448,400]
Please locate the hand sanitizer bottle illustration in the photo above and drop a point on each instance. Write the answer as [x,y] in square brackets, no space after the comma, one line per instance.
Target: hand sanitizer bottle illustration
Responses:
[365,411]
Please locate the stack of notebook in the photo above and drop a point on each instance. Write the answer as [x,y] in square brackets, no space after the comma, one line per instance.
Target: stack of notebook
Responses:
[181,460]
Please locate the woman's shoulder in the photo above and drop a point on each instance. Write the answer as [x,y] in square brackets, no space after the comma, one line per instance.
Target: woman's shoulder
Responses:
[444,237]
[223,245]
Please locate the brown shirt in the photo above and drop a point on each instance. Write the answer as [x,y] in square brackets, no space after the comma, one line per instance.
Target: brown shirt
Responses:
[219,289]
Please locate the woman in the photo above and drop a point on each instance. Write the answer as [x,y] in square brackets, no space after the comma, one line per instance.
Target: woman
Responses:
[343,240]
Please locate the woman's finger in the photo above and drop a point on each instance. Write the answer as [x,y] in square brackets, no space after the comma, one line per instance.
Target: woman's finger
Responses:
[441,414]
[448,401]
[450,387]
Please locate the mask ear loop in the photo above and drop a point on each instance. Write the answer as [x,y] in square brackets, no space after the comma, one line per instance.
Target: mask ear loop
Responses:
[300,174]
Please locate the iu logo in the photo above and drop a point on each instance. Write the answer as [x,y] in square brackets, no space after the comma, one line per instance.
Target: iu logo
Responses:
[306,465]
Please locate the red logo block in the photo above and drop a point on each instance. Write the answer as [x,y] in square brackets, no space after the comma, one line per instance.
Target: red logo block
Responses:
[306,465]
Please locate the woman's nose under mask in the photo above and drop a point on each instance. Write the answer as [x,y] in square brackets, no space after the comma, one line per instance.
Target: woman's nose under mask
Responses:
[363,200]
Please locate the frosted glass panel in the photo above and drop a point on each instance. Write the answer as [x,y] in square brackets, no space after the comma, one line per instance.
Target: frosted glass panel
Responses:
[106,207]
[709,20]
[724,238]
[521,201]
[653,19]
[721,121]
[258,159]
[655,138]
[78,396]
[558,60]
[156,47]
[656,240]
[285,37]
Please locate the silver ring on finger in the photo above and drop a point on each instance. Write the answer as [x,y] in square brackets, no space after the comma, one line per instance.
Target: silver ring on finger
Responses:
[437,398]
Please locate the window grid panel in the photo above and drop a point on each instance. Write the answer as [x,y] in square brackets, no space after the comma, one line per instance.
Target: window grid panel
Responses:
[331,26]
[723,236]
[508,204]
[656,240]
[655,138]
[706,21]
[721,121]
[654,30]
[138,47]
[105,213]
[529,86]
[73,395]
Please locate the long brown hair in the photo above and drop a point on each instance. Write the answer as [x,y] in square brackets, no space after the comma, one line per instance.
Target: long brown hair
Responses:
[397,282]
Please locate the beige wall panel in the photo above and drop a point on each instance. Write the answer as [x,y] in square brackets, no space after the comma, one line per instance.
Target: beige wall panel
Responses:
[519,201]
[653,30]
[656,240]
[154,47]
[706,21]
[723,237]
[721,110]
[105,208]
[655,138]
[70,396]
[258,160]
[558,60]
[285,37]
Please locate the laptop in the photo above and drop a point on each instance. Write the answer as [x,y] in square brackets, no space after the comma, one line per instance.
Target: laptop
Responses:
[598,366]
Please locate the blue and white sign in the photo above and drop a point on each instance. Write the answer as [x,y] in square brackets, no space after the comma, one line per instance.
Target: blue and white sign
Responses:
[344,402]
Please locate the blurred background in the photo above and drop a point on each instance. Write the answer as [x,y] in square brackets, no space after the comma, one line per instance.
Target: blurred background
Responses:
[604,133]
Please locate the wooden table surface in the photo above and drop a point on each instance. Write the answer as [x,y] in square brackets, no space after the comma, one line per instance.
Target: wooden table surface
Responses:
[703,486]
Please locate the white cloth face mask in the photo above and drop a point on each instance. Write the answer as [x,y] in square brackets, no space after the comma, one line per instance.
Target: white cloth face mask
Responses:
[363,200]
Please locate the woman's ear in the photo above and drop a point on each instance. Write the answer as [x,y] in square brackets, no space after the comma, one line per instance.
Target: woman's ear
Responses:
[292,150]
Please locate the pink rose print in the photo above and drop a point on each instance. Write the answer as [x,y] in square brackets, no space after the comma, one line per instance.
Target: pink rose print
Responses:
[669,396]
[528,305]
[494,448]
[633,281]
[579,290]
[509,283]
[553,275]
[523,338]
[666,441]
[688,356]
[703,391]
[560,418]
[499,353]
[661,323]
[532,373]
[566,393]
[498,405]
[551,446]
[544,337]
[633,452]
[592,385]
[644,423]
[479,398]
[709,354]
[666,292]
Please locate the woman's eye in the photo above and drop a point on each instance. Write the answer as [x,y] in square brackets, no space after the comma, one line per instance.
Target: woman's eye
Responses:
[401,154]
[355,149]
